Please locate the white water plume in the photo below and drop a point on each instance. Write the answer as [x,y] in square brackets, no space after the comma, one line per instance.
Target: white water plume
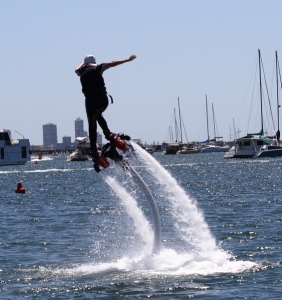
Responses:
[189,219]
[142,226]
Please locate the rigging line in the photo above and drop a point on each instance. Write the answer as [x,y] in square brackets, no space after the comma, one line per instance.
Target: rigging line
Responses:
[181,120]
[279,75]
[176,127]
[252,98]
[268,96]
[272,79]
[179,112]
[277,92]
[170,135]
[254,71]
[184,128]
[199,133]
[207,118]
[216,133]
[280,86]
[267,119]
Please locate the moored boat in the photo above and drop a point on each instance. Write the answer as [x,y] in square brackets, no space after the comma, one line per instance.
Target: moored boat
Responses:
[189,149]
[172,148]
[13,151]
[215,148]
[270,151]
[81,153]
[78,155]
[248,146]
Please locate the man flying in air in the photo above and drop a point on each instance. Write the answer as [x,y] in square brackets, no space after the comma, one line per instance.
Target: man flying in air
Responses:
[96,102]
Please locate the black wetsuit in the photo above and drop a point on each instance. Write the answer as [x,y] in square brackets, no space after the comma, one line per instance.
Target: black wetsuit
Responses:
[96,99]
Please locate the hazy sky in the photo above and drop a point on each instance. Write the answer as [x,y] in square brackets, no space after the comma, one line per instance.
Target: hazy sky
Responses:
[186,49]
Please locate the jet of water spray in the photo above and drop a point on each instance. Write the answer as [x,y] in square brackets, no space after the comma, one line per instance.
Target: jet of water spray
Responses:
[142,226]
[188,217]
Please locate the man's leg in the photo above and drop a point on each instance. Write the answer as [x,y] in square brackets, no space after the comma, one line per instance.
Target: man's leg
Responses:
[92,123]
[103,124]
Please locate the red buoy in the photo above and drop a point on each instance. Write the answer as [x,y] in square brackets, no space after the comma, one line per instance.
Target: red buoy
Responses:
[20,188]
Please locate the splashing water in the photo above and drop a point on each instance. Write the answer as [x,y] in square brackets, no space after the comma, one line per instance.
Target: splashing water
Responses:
[188,218]
[142,226]
[203,256]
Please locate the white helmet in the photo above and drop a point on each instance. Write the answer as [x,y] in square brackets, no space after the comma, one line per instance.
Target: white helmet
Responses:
[89,59]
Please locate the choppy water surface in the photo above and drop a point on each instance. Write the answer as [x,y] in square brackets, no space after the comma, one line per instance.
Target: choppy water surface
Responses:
[77,234]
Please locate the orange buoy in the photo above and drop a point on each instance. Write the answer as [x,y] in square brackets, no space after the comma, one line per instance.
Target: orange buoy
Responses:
[20,188]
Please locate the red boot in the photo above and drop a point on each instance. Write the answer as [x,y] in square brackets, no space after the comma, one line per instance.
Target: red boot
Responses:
[120,144]
[117,140]
[103,161]
[99,160]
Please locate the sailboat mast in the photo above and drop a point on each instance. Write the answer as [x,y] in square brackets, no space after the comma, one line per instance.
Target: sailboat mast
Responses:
[260,91]
[234,130]
[176,128]
[213,121]
[277,94]
[180,121]
[207,118]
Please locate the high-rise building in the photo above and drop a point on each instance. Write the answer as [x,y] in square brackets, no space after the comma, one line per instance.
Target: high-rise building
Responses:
[66,143]
[50,139]
[66,140]
[99,138]
[78,126]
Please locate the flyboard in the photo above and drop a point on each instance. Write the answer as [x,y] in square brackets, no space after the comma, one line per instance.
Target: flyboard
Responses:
[116,151]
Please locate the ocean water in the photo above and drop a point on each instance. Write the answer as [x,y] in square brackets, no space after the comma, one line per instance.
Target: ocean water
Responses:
[77,234]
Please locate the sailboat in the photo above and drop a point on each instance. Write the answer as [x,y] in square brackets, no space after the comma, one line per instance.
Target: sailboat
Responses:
[250,145]
[275,149]
[189,148]
[213,145]
[174,147]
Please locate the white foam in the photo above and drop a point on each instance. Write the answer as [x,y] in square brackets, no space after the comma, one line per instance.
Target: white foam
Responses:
[188,219]
[142,226]
[167,263]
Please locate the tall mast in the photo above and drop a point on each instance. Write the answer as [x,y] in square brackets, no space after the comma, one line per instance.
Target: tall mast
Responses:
[176,127]
[180,121]
[170,134]
[260,91]
[207,118]
[277,94]
[213,121]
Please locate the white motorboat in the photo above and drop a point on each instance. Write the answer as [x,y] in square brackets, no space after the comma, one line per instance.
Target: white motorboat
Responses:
[150,150]
[189,149]
[78,155]
[13,152]
[172,148]
[248,146]
[215,148]
[82,150]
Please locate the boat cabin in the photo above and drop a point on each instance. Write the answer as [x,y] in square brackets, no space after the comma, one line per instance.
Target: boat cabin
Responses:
[13,152]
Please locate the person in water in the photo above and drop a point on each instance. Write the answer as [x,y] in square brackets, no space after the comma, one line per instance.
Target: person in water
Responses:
[96,98]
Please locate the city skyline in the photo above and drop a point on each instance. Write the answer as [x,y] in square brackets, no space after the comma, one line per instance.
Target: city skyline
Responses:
[50,136]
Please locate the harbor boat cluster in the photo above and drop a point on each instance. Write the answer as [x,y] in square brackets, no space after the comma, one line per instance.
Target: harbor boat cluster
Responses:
[252,145]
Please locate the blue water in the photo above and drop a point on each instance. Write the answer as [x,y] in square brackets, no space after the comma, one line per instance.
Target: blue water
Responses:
[77,234]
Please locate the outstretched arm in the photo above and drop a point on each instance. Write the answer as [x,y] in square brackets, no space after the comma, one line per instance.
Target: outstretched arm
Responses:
[119,62]
[78,67]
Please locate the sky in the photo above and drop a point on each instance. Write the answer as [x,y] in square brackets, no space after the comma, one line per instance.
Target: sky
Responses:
[191,50]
